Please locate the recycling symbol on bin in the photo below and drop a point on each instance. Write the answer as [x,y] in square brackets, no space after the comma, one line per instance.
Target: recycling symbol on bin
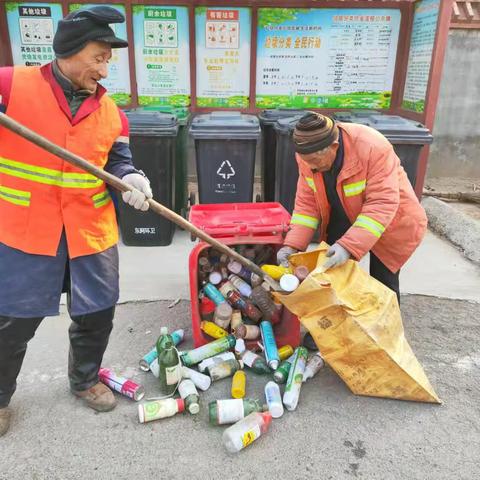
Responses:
[226,170]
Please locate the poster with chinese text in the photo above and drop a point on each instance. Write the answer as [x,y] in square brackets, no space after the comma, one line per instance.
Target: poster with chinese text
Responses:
[162,55]
[326,58]
[420,57]
[223,56]
[118,81]
[31,27]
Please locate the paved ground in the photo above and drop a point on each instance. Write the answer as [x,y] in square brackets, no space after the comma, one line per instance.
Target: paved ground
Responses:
[332,435]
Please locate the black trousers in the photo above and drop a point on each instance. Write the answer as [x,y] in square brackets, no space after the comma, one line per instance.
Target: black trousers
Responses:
[379,271]
[88,334]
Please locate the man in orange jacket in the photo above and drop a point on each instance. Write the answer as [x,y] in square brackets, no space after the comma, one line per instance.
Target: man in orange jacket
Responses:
[58,230]
[351,185]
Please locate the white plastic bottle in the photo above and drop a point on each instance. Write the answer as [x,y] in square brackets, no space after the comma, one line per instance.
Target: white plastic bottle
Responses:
[314,365]
[274,399]
[157,409]
[222,357]
[246,431]
[200,380]
[189,394]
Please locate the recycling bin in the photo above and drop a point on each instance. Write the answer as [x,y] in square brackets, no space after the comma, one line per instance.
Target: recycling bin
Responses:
[225,147]
[239,224]
[407,136]
[268,119]
[152,142]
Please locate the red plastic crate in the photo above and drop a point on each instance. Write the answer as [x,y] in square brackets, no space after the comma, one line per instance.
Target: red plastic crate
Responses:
[237,224]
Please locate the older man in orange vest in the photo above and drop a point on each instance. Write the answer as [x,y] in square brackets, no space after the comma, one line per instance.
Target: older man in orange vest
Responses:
[351,185]
[58,230]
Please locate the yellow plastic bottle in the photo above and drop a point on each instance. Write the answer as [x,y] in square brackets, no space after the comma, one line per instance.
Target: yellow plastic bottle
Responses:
[276,271]
[239,383]
[285,352]
[212,329]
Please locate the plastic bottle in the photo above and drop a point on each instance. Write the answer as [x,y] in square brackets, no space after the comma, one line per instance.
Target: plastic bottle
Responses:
[285,352]
[223,412]
[170,368]
[295,377]
[204,364]
[224,369]
[227,287]
[280,375]
[274,399]
[207,309]
[223,315]
[189,394]
[239,384]
[276,271]
[270,345]
[289,283]
[157,409]
[236,320]
[314,365]
[145,362]
[212,292]
[238,269]
[213,330]
[263,300]
[255,362]
[215,278]
[243,287]
[240,346]
[200,380]
[209,350]
[246,431]
[247,308]
[247,332]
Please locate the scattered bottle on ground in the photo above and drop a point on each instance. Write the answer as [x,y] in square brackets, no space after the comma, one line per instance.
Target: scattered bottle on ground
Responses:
[295,377]
[224,369]
[223,412]
[121,385]
[274,399]
[269,344]
[246,431]
[255,362]
[209,350]
[239,384]
[200,380]
[157,409]
[189,394]
[314,365]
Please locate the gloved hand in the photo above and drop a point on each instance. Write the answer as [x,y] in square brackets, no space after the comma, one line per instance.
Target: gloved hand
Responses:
[136,198]
[283,254]
[337,256]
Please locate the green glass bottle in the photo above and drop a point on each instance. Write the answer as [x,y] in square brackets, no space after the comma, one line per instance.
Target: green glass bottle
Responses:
[222,412]
[280,375]
[255,362]
[170,368]
[162,339]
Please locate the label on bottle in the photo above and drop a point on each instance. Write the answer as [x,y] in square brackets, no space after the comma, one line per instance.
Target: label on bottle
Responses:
[249,358]
[250,436]
[158,409]
[186,388]
[173,374]
[230,411]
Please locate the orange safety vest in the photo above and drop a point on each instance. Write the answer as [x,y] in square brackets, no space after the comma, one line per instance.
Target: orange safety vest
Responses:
[41,194]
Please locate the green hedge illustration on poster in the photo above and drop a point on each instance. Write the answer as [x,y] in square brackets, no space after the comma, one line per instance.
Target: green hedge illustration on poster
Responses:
[326,58]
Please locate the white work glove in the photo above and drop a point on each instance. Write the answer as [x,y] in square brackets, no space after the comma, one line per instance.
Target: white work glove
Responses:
[283,254]
[136,198]
[337,256]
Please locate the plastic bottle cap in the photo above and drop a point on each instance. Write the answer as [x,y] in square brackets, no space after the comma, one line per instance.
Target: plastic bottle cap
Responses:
[180,404]
[163,331]
[289,282]
[240,345]
[267,418]
[207,305]
[215,278]
[194,408]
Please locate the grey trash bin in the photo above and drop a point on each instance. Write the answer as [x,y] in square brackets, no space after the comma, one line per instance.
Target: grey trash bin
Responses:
[225,147]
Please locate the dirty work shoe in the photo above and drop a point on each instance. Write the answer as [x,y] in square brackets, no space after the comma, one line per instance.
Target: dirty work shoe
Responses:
[99,397]
[309,343]
[5,416]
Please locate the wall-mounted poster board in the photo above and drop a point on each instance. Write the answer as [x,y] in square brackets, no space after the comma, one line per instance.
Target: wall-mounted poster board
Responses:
[223,56]
[420,56]
[118,81]
[162,56]
[326,58]
[31,27]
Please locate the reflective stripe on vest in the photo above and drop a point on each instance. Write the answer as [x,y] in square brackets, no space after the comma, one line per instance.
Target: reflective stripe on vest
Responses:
[305,220]
[47,175]
[353,189]
[101,199]
[311,183]
[369,224]
[17,197]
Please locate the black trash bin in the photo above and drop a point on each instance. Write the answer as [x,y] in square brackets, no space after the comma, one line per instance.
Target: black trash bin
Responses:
[407,136]
[286,169]
[152,142]
[268,118]
[225,147]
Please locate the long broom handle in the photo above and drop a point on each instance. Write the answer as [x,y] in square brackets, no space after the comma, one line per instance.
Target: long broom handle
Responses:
[110,179]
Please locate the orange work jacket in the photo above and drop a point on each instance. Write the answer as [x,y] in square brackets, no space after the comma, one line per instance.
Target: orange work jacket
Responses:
[41,194]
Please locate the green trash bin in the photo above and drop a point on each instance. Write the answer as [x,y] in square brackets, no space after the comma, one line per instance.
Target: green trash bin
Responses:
[181,157]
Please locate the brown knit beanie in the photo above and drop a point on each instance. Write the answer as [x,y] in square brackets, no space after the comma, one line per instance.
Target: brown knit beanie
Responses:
[314,132]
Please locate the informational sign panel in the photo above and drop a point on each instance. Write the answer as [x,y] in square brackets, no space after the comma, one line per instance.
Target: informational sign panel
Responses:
[118,81]
[326,58]
[162,56]
[420,56]
[31,27]
[223,56]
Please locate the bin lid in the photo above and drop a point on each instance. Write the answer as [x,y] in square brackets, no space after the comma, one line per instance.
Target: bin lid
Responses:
[225,125]
[230,219]
[182,113]
[151,123]
[398,130]
[287,125]
[269,117]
